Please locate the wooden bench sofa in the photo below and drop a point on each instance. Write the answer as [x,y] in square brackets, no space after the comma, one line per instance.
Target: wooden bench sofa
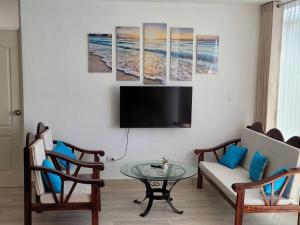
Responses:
[244,195]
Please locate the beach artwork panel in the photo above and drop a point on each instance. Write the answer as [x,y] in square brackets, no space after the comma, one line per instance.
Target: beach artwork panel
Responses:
[100,53]
[207,54]
[181,54]
[155,53]
[128,53]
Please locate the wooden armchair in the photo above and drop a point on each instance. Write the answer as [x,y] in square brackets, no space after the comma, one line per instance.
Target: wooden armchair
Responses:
[244,195]
[44,133]
[77,193]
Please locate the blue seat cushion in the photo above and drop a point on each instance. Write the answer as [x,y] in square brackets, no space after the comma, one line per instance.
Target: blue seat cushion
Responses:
[55,180]
[277,184]
[233,156]
[257,166]
[62,149]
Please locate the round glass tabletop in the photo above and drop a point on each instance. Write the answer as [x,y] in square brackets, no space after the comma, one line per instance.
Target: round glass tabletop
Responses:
[152,170]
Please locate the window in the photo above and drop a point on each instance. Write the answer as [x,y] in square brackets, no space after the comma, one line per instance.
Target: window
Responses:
[288,111]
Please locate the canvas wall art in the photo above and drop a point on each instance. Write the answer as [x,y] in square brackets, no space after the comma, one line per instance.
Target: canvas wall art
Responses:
[207,54]
[128,53]
[100,53]
[181,54]
[155,53]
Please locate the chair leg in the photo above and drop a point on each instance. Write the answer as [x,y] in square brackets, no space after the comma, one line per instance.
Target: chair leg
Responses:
[200,176]
[238,217]
[99,200]
[298,219]
[200,180]
[38,200]
[95,216]
[28,217]
[239,207]
[95,202]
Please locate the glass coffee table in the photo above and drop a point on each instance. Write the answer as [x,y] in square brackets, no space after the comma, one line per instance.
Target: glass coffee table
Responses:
[152,177]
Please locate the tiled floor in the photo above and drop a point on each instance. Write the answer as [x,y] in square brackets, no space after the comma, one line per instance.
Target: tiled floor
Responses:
[201,207]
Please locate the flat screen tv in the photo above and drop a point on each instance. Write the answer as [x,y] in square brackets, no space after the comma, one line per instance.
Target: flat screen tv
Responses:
[147,107]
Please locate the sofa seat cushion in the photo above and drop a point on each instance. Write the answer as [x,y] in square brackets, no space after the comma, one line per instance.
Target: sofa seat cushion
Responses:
[82,193]
[224,177]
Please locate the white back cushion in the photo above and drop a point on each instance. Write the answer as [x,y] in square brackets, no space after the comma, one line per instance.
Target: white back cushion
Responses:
[38,156]
[279,154]
[47,139]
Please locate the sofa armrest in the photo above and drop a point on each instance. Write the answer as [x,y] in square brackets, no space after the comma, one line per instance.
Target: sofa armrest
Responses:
[240,188]
[97,182]
[96,153]
[220,146]
[200,152]
[94,165]
[265,181]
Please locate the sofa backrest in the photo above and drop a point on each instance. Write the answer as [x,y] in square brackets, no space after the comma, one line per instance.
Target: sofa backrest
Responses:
[47,138]
[279,154]
[38,156]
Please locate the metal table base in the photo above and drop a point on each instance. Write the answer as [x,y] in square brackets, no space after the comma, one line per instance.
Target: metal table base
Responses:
[164,194]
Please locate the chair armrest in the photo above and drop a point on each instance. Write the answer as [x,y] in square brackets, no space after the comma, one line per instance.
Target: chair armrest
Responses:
[94,165]
[97,182]
[233,141]
[93,152]
[259,184]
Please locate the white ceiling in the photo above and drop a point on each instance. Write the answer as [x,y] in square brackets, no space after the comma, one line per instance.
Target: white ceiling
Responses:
[202,1]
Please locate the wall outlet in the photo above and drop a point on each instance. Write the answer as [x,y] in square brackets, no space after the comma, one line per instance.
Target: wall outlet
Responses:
[109,159]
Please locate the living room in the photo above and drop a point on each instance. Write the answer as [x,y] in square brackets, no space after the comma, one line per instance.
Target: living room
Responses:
[193,75]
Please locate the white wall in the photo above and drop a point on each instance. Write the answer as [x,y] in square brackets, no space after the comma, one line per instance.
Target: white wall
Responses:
[83,108]
[9,15]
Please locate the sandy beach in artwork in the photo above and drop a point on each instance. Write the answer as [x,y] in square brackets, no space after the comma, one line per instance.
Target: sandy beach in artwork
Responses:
[96,65]
[148,81]
[121,76]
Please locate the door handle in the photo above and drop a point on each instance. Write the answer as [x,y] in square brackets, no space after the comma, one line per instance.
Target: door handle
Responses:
[17,113]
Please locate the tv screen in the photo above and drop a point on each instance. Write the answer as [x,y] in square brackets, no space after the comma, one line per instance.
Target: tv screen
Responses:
[143,107]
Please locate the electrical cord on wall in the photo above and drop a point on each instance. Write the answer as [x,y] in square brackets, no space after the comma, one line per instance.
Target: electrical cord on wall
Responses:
[126,146]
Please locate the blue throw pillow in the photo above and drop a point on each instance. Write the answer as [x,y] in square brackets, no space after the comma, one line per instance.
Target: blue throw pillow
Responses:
[278,183]
[257,166]
[233,156]
[55,180]
[62,149]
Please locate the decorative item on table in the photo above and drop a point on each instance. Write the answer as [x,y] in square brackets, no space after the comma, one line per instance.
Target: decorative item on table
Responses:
[165,164]
[155,53]
[100,53]
[128,53]
[207,54]
[181,54]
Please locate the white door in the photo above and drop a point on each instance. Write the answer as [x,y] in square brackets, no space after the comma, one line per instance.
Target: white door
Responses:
[11,154]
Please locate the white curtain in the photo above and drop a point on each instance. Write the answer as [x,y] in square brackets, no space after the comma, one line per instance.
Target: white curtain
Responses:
[288,112]
[268,64]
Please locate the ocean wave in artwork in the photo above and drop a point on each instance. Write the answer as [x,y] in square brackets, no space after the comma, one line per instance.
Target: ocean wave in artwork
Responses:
[181,58]
[104,51]
[154,66]
[128,57]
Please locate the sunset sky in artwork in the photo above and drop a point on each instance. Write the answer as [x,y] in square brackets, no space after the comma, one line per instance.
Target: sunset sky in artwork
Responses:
[182,34]
[207,38]
[155,31]
[128,32]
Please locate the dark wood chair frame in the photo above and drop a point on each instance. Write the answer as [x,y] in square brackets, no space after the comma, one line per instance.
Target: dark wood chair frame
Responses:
[60,203]
[95,153]
[271,203]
